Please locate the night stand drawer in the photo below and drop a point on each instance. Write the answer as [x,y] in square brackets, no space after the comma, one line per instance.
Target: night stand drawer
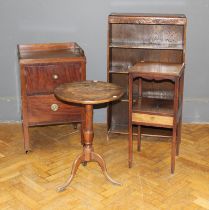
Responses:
[43,78]
[152,119]
[46,108]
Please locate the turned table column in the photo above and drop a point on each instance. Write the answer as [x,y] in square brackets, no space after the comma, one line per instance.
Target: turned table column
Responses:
[88,133]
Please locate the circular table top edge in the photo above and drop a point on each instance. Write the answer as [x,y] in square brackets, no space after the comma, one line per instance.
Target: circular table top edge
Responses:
[92,102]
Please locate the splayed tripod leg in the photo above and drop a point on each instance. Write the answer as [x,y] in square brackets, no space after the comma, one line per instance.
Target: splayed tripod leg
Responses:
[75,166]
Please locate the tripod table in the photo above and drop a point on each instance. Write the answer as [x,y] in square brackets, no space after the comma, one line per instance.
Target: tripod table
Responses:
[88,93]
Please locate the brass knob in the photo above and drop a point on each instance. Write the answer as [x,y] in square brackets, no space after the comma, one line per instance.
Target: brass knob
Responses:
[54,107]
[55,76]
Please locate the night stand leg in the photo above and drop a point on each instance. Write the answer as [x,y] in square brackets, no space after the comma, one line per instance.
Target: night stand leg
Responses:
[139,138]
[178,136]
[26,138]
[173,150]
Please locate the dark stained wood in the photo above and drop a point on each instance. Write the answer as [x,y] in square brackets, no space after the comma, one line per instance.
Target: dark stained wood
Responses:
[122,81]
[124,58]
[42,68]
[88,93]
[120,109]
[130,36]
[146,18]
[166,70]
[144,39]
[47,47]
[154,111]
[130,127]
[151,49]
[44,78]
[46,109]
[55,52]
[154,106]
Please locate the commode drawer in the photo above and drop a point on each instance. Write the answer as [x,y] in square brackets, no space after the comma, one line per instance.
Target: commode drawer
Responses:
[43,78]
[46,108]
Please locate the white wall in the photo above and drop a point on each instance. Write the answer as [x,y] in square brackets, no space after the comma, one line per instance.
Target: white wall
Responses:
[85,22]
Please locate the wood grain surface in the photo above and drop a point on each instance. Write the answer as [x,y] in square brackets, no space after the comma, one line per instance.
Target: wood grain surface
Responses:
[161,69]
[42,68]
[88,92]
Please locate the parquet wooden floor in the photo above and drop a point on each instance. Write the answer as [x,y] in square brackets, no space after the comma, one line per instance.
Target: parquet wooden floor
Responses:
[30,181]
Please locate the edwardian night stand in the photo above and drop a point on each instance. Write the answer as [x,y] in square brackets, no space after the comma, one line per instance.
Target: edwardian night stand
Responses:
[157,112]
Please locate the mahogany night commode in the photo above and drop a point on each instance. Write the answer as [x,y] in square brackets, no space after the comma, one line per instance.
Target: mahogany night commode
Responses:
[88,93]
[42,68]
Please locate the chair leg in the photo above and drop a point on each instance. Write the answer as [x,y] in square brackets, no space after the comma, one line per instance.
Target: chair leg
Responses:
[173,149]
[130,146]
[139,139]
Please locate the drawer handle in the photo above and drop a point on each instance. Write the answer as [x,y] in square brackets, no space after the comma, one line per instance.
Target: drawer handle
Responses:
[54,107]
[55,76]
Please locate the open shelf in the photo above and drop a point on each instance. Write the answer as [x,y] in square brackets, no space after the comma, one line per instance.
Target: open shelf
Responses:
[154,106]
[146,45]
[120,69]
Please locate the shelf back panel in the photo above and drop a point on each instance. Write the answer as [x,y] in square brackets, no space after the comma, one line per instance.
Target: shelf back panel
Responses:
[128,57]
[147,34]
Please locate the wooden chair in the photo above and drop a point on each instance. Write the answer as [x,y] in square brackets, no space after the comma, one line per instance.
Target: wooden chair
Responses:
[164,112]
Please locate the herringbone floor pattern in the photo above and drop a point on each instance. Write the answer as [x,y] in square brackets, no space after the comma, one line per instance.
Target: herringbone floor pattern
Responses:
[30,181]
